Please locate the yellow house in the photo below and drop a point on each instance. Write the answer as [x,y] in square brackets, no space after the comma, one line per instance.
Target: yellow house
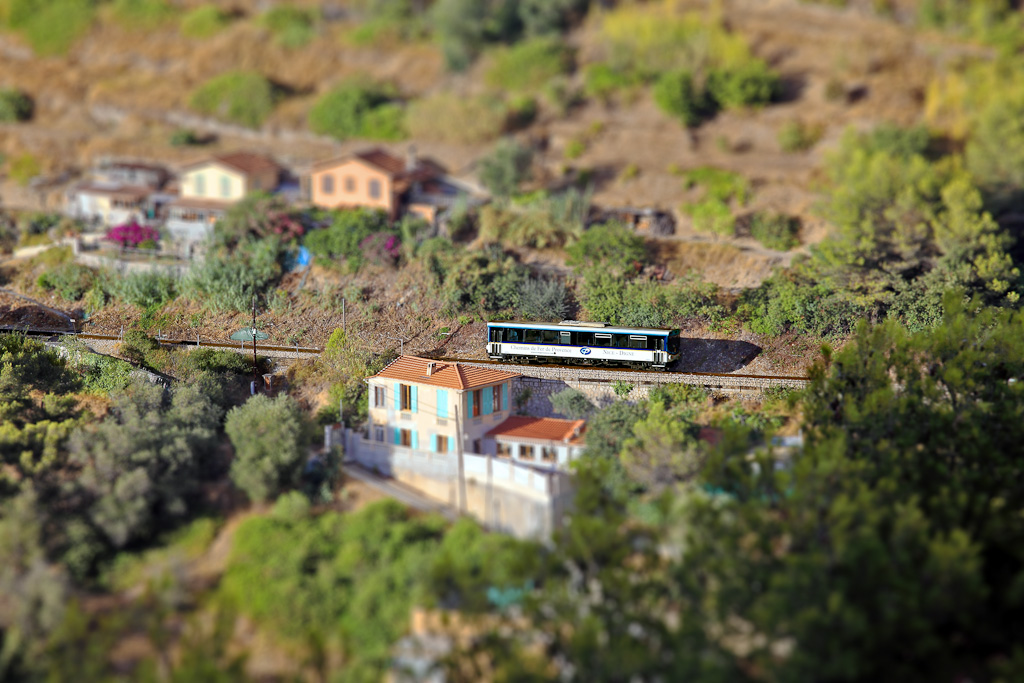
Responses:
[210,186]
[229,177]
[422,404]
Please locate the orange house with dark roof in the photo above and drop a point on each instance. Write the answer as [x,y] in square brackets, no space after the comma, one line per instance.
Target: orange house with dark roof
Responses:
[377,179]
[427,405]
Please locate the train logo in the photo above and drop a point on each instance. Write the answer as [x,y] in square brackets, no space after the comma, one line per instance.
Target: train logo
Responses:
[585,351]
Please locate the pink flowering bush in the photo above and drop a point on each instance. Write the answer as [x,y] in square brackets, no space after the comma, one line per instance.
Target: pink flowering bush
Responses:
[381,247]
[132,235]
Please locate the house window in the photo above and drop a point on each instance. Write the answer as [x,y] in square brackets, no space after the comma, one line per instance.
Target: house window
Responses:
[350,184]
[225,186]
[497,397]
[504,450]
[200,184]
[526,452]
[548,454]
[378,397]
[327,183]
[442,443]
[378,433]
[406,397]
[405,437]
[476,402]
[477,446]
[374,189]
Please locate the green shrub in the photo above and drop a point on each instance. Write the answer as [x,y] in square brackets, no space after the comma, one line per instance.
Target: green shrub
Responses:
[69,280]
[24,168]
[270,449]
[228,281]
[775,231]
[797,136]
[291,26]
[610,246]
[601,81]
[572,403]
[145,289]
[141,14]
[748,84]
[539,220]
[357,110]
[677,95]
[218,361]
[55,26]
[506,167]
[712,215]
[528,65]
[574,149]
[137,346]
[14,106]
[542,300]
[184,137]
[450,118]
[242,97]
[995,152]
[718,184]
[204,22]
[343,238]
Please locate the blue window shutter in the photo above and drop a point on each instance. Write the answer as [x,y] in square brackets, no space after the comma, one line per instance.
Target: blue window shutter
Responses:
[504,396]
[442,403]
[397,435]
[451,444]
[487,399]
[433,443]
[398,396]
[415,442]
[415,394]
[469,404]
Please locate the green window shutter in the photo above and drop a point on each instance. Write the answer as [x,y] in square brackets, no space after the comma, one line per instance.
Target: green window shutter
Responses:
[504,396]
[415,441]
[398,396]
[451,444]
[487,399]
[397,435]
[415,395]
[433,443]
[442,403]
[469,404]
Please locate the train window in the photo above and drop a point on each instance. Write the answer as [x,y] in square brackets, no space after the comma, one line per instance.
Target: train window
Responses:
[531,336]
[673,343]
[637,341]
[564,338]
[496,334]
[584,338]
[512,335]
[549,336]
[621,341]
[602,340]
[654,343]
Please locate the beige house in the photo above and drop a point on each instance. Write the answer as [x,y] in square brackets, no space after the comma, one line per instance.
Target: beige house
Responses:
[210,186]
[421,404]
[377,179]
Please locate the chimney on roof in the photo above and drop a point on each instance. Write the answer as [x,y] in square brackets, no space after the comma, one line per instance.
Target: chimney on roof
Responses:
[430,368]
[411,162]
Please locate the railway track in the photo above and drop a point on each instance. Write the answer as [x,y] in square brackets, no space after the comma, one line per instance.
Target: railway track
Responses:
[566,373]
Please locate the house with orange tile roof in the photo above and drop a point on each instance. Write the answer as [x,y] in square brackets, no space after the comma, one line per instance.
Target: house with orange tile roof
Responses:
[538,441]
[210,186]
[435,406]
[377,179]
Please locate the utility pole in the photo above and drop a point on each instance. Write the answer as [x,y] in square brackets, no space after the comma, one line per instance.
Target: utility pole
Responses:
[343,316]
[255,367]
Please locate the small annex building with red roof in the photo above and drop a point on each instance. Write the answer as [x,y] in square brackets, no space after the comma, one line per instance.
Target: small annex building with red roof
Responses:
[541,441]
[424,404]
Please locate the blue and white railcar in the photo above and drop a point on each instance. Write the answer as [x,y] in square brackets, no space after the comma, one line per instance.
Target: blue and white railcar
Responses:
[583,343]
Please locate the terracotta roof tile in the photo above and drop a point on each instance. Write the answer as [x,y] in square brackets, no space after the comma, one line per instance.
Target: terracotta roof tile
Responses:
[244,162]
[389,163]
[413,369]
[541,428]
